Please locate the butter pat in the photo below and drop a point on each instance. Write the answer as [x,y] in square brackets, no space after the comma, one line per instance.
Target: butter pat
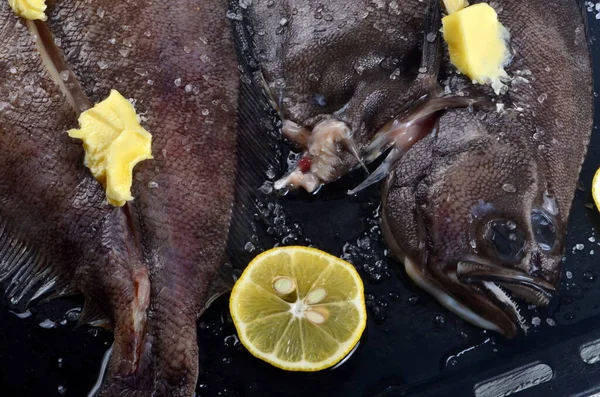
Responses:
[29,9]
[477,42]
[455,5]
[114,142]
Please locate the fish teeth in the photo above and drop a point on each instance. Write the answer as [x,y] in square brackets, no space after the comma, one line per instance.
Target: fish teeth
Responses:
[503,296]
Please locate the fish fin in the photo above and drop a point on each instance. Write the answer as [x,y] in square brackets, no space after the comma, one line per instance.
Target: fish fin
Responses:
[258,155]
[26,275]
[381,172]
[407,129]
[93,315]
[432,50]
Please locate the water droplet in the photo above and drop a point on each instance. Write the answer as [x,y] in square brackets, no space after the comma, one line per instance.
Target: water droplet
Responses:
[440,320]
[569,274]
[177,82]
[551,322]
[73,314]
[188,88]
[509,188]
[536,321]
[394,295]
[542,98]
[569,316]
[249,247]
[270,173]
[231,340]
[363,242]
[589,276]
[235,16]
[431,37]
[266,187]
[47,324]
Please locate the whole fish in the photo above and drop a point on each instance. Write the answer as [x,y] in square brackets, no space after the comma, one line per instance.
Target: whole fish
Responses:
[478,210]
[146,269]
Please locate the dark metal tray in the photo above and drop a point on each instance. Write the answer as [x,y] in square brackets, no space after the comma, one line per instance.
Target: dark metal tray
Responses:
[411,346]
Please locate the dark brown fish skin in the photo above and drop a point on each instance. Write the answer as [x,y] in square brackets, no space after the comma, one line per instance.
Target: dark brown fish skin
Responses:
[355,62]
[483,166]
[147,267]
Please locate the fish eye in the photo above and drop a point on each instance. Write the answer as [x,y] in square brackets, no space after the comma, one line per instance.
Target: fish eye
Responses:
[507,239]
[544,229]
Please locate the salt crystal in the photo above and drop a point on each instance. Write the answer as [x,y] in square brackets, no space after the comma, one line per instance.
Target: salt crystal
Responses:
[102,65]
[188,88]
[536,321]
[509,188]
[579,247]
[569,275]
[592,239]
[551,322]
[177,82]
[283,21]
[152,185]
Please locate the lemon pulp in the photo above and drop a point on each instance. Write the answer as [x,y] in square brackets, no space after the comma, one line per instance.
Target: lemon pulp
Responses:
[596,188]
[299,308]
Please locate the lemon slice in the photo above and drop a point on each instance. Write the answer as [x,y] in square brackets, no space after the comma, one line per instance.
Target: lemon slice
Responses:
[596,188]
[298,308]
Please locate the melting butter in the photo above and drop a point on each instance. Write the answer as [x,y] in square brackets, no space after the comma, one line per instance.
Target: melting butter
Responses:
[29,9]
[455,5]
[477,42]
[114,142]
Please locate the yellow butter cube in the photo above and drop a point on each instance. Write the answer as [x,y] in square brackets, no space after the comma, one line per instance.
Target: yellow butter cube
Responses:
[114,142]
[455,5]
[29,9]
[477,42]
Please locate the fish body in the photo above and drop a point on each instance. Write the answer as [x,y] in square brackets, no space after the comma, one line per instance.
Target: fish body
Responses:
[145,269]
[478,210]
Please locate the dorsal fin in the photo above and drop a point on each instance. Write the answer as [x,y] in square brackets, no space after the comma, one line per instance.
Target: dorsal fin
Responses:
[258,154]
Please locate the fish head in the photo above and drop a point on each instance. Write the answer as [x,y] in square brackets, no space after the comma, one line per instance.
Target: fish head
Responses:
[477,225]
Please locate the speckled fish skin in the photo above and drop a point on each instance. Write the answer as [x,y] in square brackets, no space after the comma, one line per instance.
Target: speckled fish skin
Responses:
[485,168]
[147,267]
[347,61]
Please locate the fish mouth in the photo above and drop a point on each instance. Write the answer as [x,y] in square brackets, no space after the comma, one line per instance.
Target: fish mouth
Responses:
[535,290]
